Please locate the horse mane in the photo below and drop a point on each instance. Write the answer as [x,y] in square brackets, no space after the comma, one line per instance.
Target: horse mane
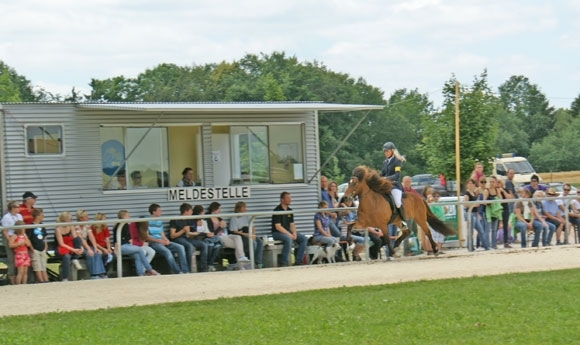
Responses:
[375,182]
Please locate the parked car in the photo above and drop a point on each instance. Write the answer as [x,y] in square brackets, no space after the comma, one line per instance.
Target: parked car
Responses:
[419,182]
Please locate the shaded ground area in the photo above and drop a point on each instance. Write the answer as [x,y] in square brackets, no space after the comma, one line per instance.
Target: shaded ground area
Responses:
[108,293]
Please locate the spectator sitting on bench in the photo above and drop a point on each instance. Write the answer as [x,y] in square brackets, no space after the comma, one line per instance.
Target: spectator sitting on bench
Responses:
[138,253]
[37,237]
[184,232]
[284,229]
[321,226]
[240,225]
[218,226]
[93,256]
[139,232]
[69,245]
[162,245]
[102,237]
[213,242]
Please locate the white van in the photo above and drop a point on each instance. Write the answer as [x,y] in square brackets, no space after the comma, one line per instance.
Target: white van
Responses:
[523,169]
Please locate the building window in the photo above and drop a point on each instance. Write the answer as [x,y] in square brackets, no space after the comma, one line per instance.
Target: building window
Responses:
[44,139]
[267,154]
[138,157]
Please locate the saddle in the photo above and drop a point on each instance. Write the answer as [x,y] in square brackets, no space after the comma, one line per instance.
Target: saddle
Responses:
[395,210]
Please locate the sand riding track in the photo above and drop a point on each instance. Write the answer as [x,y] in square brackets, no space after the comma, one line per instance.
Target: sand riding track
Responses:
[80,295]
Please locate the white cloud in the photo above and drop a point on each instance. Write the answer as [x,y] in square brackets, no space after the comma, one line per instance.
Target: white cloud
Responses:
[391,44]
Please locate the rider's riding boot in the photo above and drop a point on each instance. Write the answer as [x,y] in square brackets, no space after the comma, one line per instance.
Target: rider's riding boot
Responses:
[401,211]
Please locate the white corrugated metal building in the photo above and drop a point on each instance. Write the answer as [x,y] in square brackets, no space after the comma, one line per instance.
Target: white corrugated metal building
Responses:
[73,155]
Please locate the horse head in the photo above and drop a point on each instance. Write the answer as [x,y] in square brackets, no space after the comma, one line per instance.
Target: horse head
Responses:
[355,187]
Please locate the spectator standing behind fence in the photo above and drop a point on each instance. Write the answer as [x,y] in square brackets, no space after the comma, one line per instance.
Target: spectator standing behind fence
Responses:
[471,194]
[240,225]
[425,243]
[219,227]
[284,229]
[406,182]
[439,212]
[213,242]
[162,245]
[69,245]
[481,187]
[37,238]
[554,214]
[477,172]
[507,193]
[535,185]
[93,256]
[28,202]
[142,264]
[102,237]
[20,244]
[494,211]
[547,228]
[527,218]
[333,194]
[9,219]
[184,232]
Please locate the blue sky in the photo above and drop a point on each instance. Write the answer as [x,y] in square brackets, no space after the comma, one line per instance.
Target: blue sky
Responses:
[392,44]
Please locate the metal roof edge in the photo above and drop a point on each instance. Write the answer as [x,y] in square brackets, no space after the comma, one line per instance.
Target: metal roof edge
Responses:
[233,106]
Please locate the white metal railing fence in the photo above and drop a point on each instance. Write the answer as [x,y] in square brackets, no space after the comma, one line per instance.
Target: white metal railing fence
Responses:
[253,215]
[113,222]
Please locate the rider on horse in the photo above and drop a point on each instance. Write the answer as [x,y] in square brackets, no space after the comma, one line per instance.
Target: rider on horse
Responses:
[392,170]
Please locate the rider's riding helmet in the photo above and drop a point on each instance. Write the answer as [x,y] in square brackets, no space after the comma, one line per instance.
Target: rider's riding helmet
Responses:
[388,146]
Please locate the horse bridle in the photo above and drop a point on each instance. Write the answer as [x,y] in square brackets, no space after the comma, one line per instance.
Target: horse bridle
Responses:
[352,183]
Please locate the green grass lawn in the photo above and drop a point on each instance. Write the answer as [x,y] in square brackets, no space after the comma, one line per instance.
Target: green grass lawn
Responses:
[531,308]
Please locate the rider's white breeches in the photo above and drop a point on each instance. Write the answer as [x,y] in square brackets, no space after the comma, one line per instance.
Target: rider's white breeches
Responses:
[397,194]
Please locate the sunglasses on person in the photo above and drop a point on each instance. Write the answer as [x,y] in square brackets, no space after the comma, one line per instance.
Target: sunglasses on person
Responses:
[482,181]
[566,189]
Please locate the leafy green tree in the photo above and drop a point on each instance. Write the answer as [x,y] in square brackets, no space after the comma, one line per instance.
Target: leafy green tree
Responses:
[526,102]
[8,90]
[477,131]
[511,136]
[575,107]
[558,150]
[15,87]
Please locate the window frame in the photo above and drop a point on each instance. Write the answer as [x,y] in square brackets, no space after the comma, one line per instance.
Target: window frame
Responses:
[302,127]
[62,152]
[125,126]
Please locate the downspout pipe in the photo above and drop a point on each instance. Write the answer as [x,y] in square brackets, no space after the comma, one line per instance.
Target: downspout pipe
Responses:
[2,159]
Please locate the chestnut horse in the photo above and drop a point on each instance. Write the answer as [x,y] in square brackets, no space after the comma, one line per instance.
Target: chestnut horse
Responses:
[374,209]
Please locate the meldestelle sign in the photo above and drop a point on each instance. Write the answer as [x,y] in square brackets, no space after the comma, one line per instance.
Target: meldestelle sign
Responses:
[212,193]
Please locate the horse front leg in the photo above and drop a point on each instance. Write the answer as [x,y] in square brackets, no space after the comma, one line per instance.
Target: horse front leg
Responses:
[404,234]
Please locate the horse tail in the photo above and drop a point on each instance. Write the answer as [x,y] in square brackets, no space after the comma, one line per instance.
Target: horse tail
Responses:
[437,224]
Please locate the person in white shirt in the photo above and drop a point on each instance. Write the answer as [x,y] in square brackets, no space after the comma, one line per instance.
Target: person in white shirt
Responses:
[9,219]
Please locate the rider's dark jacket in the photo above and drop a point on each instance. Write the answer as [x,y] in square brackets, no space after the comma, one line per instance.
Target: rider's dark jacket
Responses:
[392,170]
